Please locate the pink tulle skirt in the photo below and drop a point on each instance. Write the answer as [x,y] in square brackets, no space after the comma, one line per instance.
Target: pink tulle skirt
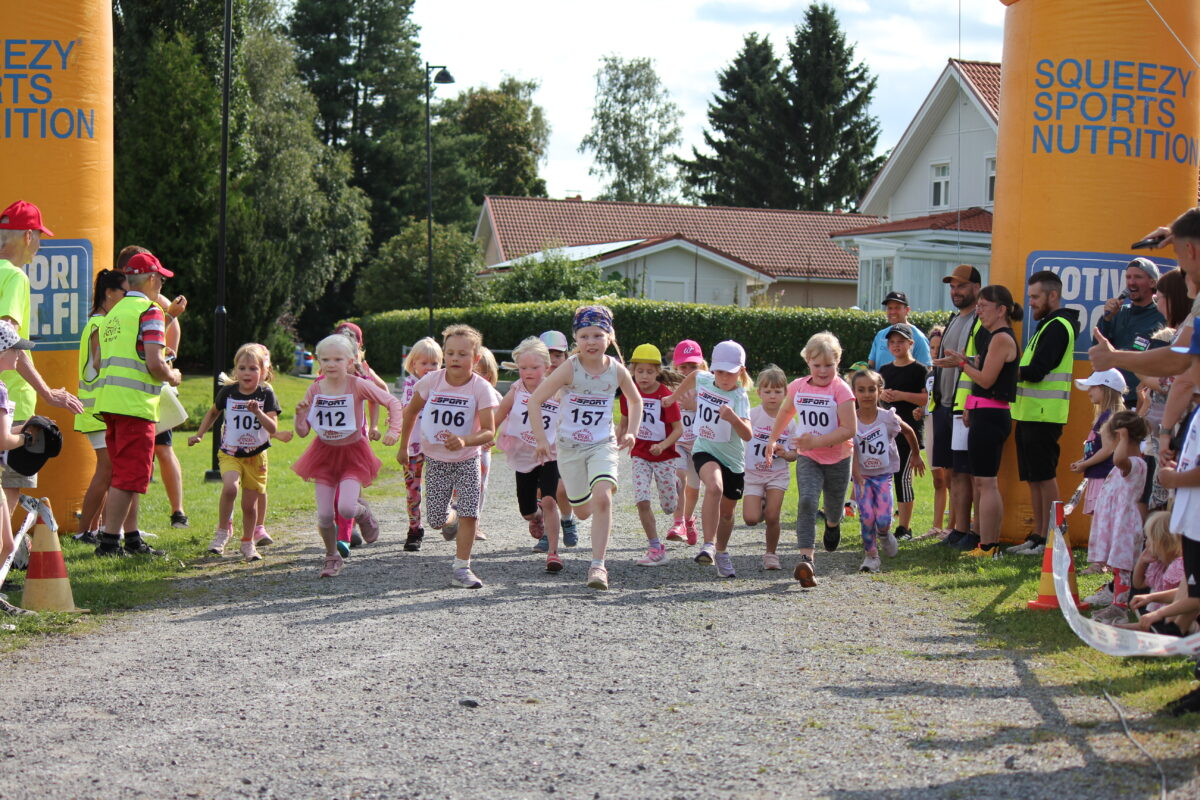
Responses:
[331,464]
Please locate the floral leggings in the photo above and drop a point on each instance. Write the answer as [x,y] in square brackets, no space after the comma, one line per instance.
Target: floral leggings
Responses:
[412,487]
[874,500]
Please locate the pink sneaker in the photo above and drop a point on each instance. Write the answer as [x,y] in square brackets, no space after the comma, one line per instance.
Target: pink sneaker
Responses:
[537,527]
[261,537]
[250,552]
[367,523]
[692,536]
[655,557]
[333,565]
[219,540]
[678,531]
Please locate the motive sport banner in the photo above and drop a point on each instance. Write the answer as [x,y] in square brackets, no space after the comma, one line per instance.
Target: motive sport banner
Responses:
[56,145]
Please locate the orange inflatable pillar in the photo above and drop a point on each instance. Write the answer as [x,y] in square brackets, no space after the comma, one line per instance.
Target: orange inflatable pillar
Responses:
[56,145]
[1099,143]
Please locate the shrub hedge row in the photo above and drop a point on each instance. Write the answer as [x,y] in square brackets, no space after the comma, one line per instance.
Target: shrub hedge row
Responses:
[770,335]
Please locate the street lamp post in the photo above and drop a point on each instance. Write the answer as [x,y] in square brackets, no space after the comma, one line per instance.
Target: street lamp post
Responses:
[443,76]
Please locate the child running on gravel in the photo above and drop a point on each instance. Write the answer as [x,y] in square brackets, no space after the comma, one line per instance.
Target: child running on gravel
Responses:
[653,455]
[586,445]
[687,358]
[459,418]
[537,481]
[557,345]
[766,485]
[722,410]
[251,414]
[424,357]
[823,407]
[339,460]
[876,461]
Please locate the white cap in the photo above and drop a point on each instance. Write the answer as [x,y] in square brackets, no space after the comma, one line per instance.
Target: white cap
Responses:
[555,340]
[1112,378]
[728,356]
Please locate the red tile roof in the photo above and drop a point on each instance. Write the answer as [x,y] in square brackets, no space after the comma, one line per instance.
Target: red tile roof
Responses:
[779,243]
[969,220]
[984,78]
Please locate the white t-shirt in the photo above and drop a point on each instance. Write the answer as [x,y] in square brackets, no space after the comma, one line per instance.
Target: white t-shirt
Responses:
[1185,518]
[761,424]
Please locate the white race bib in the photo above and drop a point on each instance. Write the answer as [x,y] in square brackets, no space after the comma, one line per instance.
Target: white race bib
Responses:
[242,430]
[872,444]
[689,420]
[652,429]
[332,416]
[708,423]
[815,414]
[758,447]
[447,414]
[585,418]
[517,425]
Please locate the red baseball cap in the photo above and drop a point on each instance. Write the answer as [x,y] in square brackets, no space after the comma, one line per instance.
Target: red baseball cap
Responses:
[687,352]
[145,263]
[22,216]
[353,329]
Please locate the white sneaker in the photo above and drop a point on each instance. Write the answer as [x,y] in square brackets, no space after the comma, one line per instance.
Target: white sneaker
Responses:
[1102,597]
[464,578]
[655,557]
[1112,615]
[870,564]
[890,546]
[219,540]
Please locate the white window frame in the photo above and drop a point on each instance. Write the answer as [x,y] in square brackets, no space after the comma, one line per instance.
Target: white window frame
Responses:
[939,181]
[989,180]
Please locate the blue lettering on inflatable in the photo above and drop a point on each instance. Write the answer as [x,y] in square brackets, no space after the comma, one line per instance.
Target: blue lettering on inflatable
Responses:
[60,292]
[27,89]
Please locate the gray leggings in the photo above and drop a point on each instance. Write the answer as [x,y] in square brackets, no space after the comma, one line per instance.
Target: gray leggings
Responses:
[811,480]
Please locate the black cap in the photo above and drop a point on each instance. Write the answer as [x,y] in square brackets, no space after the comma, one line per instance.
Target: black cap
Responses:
[899,297]
[43,441]
[901,328]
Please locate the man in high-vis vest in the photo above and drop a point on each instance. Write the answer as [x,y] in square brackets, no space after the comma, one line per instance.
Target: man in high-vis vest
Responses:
[951,388]
[1044,396]
[133,366]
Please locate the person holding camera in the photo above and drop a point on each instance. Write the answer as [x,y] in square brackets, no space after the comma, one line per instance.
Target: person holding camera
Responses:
[1129,325]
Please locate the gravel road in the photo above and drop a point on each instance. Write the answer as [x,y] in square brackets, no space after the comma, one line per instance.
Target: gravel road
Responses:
[263,681]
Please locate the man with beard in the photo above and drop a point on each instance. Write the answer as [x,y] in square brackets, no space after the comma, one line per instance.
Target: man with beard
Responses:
[950,390]
[1129,326]
[1044,396]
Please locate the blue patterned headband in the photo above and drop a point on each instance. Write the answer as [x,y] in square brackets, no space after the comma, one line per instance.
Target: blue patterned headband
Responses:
[593,316]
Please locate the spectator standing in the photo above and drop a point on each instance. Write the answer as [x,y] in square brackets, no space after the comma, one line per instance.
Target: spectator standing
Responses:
[1130,325]
[1044,395]
[904,393]
[896,305]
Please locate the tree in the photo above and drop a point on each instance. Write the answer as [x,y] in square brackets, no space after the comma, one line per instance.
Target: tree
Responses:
[746,140]
[634,127]
[396,276]
[554,277]
[831,150]
[510,136]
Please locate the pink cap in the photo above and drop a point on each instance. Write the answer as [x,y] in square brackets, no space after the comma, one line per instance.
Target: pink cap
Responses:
[687,352]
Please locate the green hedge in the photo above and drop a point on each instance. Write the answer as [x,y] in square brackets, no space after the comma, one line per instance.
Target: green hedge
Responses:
[770,335]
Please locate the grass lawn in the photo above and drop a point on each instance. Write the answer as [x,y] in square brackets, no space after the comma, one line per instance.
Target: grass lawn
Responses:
[991,593]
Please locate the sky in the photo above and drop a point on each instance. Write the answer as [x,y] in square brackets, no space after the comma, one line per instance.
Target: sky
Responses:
[904,43]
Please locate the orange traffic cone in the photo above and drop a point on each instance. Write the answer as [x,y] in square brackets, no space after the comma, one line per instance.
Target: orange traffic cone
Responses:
[46,585]
[1047,600]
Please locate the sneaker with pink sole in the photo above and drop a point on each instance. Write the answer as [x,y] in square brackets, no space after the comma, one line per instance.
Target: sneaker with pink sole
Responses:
[333,565]
[770,561]
[655,557]
[537,527]
[690,526]
[250,552]
[677,532]
[261,537]
[367,522]
[219,540]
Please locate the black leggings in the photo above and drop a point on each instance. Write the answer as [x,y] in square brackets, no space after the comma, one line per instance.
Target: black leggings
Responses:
[903,478]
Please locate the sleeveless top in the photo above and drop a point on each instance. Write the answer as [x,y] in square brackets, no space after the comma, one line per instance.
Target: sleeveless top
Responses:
[585,413]
[1004,389]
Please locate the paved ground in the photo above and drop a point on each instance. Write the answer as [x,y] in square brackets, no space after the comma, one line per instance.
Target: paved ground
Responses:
[263,681]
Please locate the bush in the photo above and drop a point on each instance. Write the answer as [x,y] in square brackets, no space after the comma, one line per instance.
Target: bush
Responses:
[554,277]
[770,335]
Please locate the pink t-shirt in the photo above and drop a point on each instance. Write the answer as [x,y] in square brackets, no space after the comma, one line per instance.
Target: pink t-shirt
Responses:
[817,412]
[450,410]
[359,390]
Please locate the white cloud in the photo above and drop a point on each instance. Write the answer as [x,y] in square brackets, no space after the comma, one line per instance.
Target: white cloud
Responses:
[904,42]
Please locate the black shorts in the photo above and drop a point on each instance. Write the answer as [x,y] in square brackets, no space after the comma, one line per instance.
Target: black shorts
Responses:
[163,438]
[544,479]
[942,428]
[990,427]
[1037,450]
[1191,566]
[732,483]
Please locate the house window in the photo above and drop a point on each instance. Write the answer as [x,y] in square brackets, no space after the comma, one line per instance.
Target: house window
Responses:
[941,185]
[989,178]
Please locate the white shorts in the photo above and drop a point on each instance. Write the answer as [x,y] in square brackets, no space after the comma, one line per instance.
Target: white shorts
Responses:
[96,440]
[684,464]
[581,468]
[757,484]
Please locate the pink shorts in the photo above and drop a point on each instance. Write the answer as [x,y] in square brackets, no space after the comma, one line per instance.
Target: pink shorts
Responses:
[757,484]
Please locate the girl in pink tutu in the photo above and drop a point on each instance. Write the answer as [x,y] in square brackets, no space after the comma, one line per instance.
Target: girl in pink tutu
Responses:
[339,460]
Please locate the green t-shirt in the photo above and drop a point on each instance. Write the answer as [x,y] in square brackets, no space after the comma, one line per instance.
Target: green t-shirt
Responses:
[714,435]
[14,303]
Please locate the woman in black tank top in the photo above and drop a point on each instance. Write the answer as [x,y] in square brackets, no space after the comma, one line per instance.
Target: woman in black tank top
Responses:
[989,421]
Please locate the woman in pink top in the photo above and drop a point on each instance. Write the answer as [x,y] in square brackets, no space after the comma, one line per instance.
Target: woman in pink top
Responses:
[339,460]
[823,407]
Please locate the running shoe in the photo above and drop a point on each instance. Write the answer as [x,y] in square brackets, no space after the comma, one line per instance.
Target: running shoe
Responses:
[219,540]
[333,565]
[725,566]
[450,529]
[833,537]
[984,552]
[1101,597]
[969,541]
[806,572]
[250,552]
[88,537]
[770,561]
[537,527]
[655,557]
[412,543]
[705,556]
[870,564]
[367,522]
[570,531]
[15,611]
[553,563]
[952,539]
[692,536]
[904,533]
[179,519]
[597,578]
[542,545]
[890,546]
[138,547]
[343,548]
[677,531]
[1113,615]
[464,578]
[261,537]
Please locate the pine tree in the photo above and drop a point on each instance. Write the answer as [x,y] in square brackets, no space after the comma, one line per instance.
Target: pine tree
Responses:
[831,148]
[745,139]
[635,125]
